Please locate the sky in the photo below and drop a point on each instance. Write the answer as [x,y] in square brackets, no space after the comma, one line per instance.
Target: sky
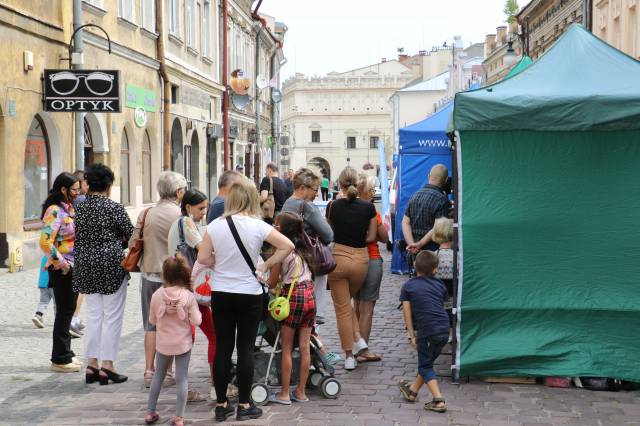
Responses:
[339,35]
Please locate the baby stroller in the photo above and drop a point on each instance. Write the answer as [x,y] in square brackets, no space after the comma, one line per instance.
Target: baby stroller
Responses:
[321,374]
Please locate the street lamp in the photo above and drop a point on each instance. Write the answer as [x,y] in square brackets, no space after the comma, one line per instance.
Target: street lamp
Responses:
[510,58]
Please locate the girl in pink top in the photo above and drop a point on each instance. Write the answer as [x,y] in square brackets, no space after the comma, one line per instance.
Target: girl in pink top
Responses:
[173,311]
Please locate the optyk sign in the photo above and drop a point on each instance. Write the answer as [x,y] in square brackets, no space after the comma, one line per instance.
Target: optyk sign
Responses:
[82,90]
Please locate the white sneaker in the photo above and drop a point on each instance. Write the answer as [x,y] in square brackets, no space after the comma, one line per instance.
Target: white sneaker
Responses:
[359,346]
[350,363]
[38,321]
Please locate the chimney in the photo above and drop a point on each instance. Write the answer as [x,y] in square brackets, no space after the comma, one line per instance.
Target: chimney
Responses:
[422,53]
[489,44]
[502,36]
[403,58]
[384,60]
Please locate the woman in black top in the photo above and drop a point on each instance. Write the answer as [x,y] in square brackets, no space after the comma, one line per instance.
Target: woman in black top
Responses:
[354,225]
[103,228]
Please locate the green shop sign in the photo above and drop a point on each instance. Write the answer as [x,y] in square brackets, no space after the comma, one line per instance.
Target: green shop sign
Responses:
[139,97]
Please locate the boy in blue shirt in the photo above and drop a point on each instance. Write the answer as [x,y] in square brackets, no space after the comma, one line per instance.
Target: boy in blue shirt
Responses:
[427,322]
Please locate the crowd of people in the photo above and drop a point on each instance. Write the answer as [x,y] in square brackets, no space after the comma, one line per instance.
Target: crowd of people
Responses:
[255,239]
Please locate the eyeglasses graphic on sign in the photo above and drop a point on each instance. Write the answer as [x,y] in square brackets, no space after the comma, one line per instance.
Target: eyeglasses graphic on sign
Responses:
[65,83]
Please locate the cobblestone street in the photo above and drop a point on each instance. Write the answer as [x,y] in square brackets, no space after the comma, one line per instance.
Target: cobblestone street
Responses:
[33,395]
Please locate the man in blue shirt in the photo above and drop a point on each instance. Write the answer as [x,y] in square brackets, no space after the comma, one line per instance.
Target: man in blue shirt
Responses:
[216,208]
[428,325]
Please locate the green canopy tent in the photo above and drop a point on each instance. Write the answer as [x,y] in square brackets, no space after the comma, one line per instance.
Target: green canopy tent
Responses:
[548,191]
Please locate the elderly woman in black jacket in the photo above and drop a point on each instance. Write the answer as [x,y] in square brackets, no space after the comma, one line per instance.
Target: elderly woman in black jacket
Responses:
[103,228]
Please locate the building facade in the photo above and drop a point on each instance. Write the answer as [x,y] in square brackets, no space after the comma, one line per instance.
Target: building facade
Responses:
[335,120]
[618,23]
[415,102]
[543,21]
[255,49]
[35,145]
[496,64]
[192,53]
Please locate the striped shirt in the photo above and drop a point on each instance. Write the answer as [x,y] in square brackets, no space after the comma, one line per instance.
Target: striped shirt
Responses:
[425,206]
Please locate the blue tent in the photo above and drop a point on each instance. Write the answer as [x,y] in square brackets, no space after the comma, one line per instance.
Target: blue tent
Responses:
[422,145]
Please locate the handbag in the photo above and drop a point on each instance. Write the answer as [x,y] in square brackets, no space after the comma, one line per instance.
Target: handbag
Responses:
[247,258]
[131,261]
[202,287]
[279,307]
[183,248]
[269,205]
[323,258]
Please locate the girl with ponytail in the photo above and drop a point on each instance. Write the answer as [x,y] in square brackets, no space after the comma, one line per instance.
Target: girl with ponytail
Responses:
[354,225]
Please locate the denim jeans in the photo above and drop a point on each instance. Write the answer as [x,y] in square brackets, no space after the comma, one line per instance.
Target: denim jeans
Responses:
[429,348]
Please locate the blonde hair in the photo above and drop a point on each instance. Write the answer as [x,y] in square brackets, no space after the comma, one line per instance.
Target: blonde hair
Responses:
[442,230]
[304,177]
[242,198]
[348,180]
[365,184]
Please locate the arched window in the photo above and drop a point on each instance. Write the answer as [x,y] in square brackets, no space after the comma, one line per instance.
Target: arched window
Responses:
[177,156]
[88,144]
[36,169]
[125,194]
[195,159]
[146,169]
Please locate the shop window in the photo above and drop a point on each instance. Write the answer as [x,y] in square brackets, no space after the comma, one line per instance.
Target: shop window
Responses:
[195,160]
[88,145]
[187,165]
[36,170]
[125,194]
[177,157]
[146,169]
[351,142]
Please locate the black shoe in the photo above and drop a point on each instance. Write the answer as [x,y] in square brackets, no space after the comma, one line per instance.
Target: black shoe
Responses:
[250,413]
[223,413]
[114,377]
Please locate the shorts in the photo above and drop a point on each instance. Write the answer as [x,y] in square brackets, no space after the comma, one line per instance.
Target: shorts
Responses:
[302,306]
[147,288]
[370,290]
[429,349]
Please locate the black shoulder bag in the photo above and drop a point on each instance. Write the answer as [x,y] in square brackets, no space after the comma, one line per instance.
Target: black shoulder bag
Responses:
[265,295]
[183,248]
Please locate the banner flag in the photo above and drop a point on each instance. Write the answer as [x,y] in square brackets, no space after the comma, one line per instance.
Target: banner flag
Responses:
[384,188]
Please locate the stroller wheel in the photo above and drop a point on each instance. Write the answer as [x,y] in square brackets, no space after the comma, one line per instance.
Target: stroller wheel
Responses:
[314,380]
[259,393]
[330,388]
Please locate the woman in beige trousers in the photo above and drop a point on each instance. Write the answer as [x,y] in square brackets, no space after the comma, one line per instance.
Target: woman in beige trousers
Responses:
[354,225]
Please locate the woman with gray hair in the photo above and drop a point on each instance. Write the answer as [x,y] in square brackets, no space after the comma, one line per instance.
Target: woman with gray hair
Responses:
[157,222]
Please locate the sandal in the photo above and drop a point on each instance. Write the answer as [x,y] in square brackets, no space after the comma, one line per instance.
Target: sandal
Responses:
[169,380]
[177,421]
[367,356]
[148,377]
[194,396]
[151,418]
[433,405]
[407,393]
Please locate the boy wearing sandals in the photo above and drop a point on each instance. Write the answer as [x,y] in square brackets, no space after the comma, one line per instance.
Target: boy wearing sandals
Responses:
[427,322]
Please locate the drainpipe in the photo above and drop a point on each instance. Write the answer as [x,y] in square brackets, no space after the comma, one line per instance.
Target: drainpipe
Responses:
[166,89]
[225,83]
[78,45]
[263,25]
[257,71]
